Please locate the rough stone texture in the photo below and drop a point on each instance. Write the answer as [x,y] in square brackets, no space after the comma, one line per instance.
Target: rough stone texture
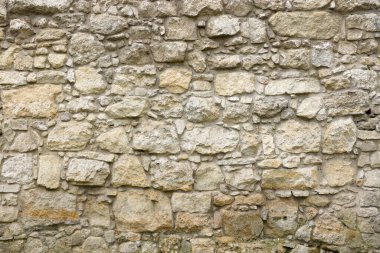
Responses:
[88,80]
[85,48]
[107,24]
[195,7]
[339,136]
[293,86]
[228,84]
[242,224]
[87,172]
[128,170]
[350,102]
[191,202]
[49,171]
[294,179]
[175,80]
[224,25]
[338,172]
[129,107]
[18,169]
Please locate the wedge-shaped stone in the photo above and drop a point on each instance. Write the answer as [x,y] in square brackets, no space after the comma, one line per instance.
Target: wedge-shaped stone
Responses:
[87,172]
[293,86]
[38,6]
[195,7]
[233,83]
[290,179]
[37,101]
[303,24]
[339,136]
[129,107]
[350,102]
[142,211]
[128,170]
[196,202]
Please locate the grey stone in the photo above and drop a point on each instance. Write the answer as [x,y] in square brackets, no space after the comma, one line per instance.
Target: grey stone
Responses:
[293,86]
[362,79]
[367,22]
[12,78]
[36,6]
[25,142]
[350,102]
[8,213]
[129,77]
[107,24]
[295,58]
[322,55]
[129,107]
[208,176]
[169,51]
[238,7]
[87,172]
[197,202]
[224,25]
[233,83]
[266,106]
[223,61]
[369,198]
[199,109]
[372,178]
[180,28]
[81,104]
[136,54]
[195,7]
[309,5]
[18,169]
[85,48]
[309,107]
[241,178]
[49,171]
[254,29]
[236,112]
[339,136]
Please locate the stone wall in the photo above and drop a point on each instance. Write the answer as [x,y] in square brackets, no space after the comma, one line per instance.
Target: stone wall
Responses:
[237,126]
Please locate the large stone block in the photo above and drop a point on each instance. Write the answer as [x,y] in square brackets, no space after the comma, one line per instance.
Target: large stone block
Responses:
[128,170]
[233,83]
[339,136]
[129,107]
[282,217]
[107,24]
[290,179]
[169,51]
[242,225]
[293,86]
[89,81]
[367,22]
[196,202]
[18,169]
[348,102]
[176,79]
[224,25]
[49,171]
[195,7]
[85,48]
[38,6]
[338,171]
[87,172]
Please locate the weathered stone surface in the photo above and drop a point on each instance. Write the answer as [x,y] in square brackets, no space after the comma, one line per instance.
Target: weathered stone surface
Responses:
[236,113]
[238,7]
[51,77]
[322,55]
[44,208]
[169,51]
[338,171]
[142,211]
[95,244]
[298,136]
[367,22]
[18,169]
[295,58]
[351,102]
[114,140]
[268,106]
[309,107]
[107,24]
[224,25]
[197,202]
[195,7]
[176,79]
[293,86]
[210,140]
[339,136]
[3,12]
[129,77]
[294,179]
[362,79]
[233,83]
[167,105]
[199,109]
[37,6]
[343,5]
[282,217]
[98,213]
[136,54]
[129,107]
[36,101]
[372,178]
[191,222]
[89,81]
[302,24]
[170,175]
[8,213]
[208,177]
[242,225]
[180,28]
[87,172]
[329,229]
[369,198]
[156,137]
[128,170]
[309,5]
[49,171]
[69,136]
[85,48]
[223,61]
[255,30]
[241,178]
[25,142]
[82,104]
[12,78]
[57,60]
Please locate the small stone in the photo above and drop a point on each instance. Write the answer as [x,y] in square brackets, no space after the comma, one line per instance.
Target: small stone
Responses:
[295,58]
[81,104]
[128,171]
[338,171]
[362,79]
[236,112]
[8,213]
[136,54]
[167,105]
[129,107]
[375,159]
[367,22]
[169,51]
[309,107]
[351,102]
[309,5]
[36,6]
[98,213]
[221,199]
[95,244]
[224,25]
[372,178]
[18,169]
[180,28]
[192,222]
[293,86]
[23,61]
[85,48]
[322,55]
[369,198]
[197,60]
[25,142]
[49,171]
[242,225]
[195,7]
[208,177]
[223,61]
[89,81]
[107,24]
[254,29]
[87,172]
[294,179]
[114,140]
[241,178]
[197,202]
[339,136]
[199,109]
[266,106]
[282,217]
[233,83]
[50,34]
[57,60]
[176,79]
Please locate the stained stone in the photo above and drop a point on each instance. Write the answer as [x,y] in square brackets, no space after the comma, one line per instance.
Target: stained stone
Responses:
[367,22]
[114,140]
[129,77]
[338,171]
[180,28]
[282,217]
[208,176]
[87,172]
[128,170]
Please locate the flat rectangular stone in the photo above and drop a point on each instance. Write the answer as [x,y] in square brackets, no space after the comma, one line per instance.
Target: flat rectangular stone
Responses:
[13,78]
[9,188]
[49,171]
[290,179]
[293,86]
[368,135]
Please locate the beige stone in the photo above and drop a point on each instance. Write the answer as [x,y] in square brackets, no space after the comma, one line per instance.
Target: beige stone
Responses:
[128,171]
[49,171]
[115,140]
[233,83]
[208,176]
[87,172]
[98,213]
[339,136]
[242,225]
[196,202]
[338,171]
[176,79]
[282,217]
[89,81]
[290,179]
[293,86]
[192,222]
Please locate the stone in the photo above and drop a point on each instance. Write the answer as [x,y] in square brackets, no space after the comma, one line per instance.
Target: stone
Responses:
[176,80]
[50,34]
[142,211]
[23,61]
[343,5]
[25,142]
[375,159]
[36,6]
[107,24]
[35,245]
[170,175]
[89,81]
[236,113]
[240,178]
[282,217]
[115,140]
[12,246]
[192,222]
[233,83]
[223,61]
[197,60]
[295,58]
[171,51]
[254,29]
[290,179]
[210,140]
[309,5]
[322,55]
[302,24]
[8,213]
[369,198]
[298,136]
[309,107]
[199,109]
[9,188]
[265,106]
[292,86]
[81,104]
[70,135]
[49,171]
[129,77]
[12,78]
[329,229]
[372,178]
[85,48]
[156,137]
[136,54]
[362,79]
[238,8]
[98,213]
[51,77]
[37,101]
[349,102]
[95,244]
[223,25]
[3,13]
[208,177]
[129,107]
[18,169]
[42,207]
[128,171]
[196,7]
[367,22]
[269,4]
[87,172]
[242,225]
[57,60]
[167,105]
[339,136]
[7,59]
[197,202]
[338,171]
[180,28]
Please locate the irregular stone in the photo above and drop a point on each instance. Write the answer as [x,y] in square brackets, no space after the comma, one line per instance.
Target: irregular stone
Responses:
[223,61]
[87,172]
[180,28]
[12,246]
[254,29]
[339,136]
[302,24]
[350,102]
[309,107]
[49,171]
[338,171]
[35,245]
[309,5]
[223,25]
[142,211]
[136,54]
[197,202]
[9,188]
[176,79]
[249,143]
[89,81]
[95,244]
[129,77]
[81,104]
[129,107]
[322,55]
[362,79]
[269,4]
[195,7]
[167,105]
[25,142]
[173,51]
[107,24]
[233,83]
[156,137]
[293,86]
[199,109]
[192,222]
[57,60]
[128,171]
[69,136]
[329,229]
[266,106]
[41,207]
[242,225]
[236,113]
[372,178]
[36,6]
[197,60]
[7,59]
[170,175]
[375,159]
[295,58]
[51,77]
[3,13]
[85,48]
[369,198]
[114,140]
[343,5]
[208,177]
[148,9]
[18,169]
[282,217]
[23,61]
[298,136]
[98,213]
[12,78]
[50,34]
[241,178]
[210,140]
[294,179]
[367,22]
[20,28]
